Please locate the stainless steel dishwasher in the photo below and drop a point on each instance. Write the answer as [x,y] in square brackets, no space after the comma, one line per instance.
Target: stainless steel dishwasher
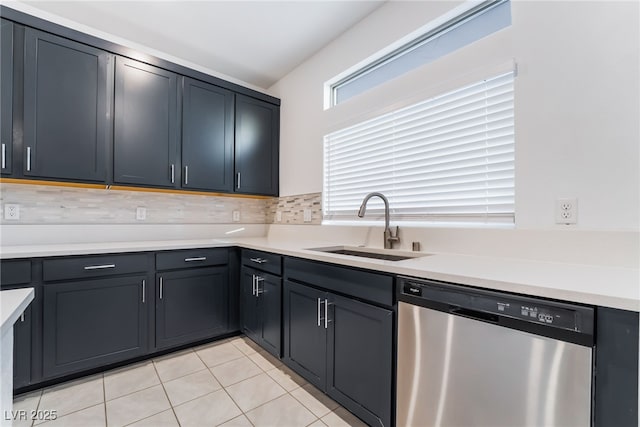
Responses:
[472,357]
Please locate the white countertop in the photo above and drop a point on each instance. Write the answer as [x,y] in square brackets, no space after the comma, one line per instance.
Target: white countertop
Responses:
[12,304]
[614,287]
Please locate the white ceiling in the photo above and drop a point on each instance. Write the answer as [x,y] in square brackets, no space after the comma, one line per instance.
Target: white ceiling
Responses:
[257,42]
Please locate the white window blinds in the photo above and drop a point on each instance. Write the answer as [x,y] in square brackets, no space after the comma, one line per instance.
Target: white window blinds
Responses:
[448,158]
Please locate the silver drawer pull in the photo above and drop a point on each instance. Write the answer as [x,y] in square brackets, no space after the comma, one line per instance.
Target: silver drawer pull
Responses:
[28,159]
[99,267]
[199,258]
[22,317]
[258,260]
[4,156]
[319,311]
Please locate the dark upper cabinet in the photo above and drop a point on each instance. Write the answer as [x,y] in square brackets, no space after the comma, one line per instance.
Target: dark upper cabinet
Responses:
[91,323]
[145,125]
[6,95]
[191,305]
[67,90]
[256,146]
[207,137]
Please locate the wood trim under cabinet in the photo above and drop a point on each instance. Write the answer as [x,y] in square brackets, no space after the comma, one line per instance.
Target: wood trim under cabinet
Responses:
[127,188]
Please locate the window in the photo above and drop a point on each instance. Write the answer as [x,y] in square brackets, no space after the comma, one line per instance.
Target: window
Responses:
[448,158]
[478,22]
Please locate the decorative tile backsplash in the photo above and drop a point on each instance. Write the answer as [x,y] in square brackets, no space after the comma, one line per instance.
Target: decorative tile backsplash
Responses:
[45,204]
[292,209]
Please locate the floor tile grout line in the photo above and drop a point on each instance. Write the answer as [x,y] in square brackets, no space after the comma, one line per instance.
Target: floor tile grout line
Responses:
[166,395]
[33,422]
[306,407]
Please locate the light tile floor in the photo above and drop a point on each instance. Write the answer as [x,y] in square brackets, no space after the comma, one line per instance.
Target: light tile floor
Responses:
[231,382]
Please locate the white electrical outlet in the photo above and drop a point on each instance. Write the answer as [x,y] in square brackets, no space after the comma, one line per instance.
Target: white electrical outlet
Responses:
[141,214]
[11,212]
[236,216]
[278,216]
[567,211]
[307,215]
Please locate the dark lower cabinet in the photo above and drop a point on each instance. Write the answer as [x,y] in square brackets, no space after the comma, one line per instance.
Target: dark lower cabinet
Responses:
[256,146]
[616,368]
[305,337]
[145,125]
[343,346]
[191,305]
[16,274]
[261,295]
[67,92]
[22,335]
[6,100]
[91,323]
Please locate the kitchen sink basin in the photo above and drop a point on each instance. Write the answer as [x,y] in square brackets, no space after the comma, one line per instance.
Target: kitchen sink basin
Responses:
[387,255]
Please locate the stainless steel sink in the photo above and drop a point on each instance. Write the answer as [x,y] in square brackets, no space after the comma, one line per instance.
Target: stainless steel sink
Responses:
[388,255]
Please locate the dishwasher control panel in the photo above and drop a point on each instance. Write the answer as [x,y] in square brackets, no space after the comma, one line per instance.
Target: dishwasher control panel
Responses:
[464,299]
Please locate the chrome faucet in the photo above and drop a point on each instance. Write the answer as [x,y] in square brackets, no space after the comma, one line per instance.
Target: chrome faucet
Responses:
[389,237]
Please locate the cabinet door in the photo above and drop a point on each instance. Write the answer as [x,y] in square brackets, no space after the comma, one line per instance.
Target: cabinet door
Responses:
[66,90]
[145,125]
[305,335]
[207,137]
[269,289]
[360,346]
[22,350]
[251,317]
[257,133]
[90,323]
[191,305]
[6,100]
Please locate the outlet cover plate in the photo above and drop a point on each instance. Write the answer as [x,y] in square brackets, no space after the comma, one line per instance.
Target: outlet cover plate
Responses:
[12,212]
[567,210]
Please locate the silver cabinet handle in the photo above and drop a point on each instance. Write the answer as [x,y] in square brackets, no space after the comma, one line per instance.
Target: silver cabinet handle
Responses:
[22,317]
[160,287]
[198,258]
[238,179]
[99,267]
[326,313]
[258,280]
[258,260]
[253,285]
[4,156]
[144,290]
[173,173]
[186,175]
[319,311]
[28,159]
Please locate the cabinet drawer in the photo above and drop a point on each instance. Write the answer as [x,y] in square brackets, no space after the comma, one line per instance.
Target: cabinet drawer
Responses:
[93,266]
[15,272]
[191,258]
[264,261]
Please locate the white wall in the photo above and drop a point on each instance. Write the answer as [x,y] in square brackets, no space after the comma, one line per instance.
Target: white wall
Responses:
[577,103]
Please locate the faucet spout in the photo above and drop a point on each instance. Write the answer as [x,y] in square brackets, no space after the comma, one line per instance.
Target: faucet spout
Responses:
[389,237]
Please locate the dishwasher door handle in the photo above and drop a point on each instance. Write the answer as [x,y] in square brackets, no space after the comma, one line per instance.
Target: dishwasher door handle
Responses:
[473,314]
